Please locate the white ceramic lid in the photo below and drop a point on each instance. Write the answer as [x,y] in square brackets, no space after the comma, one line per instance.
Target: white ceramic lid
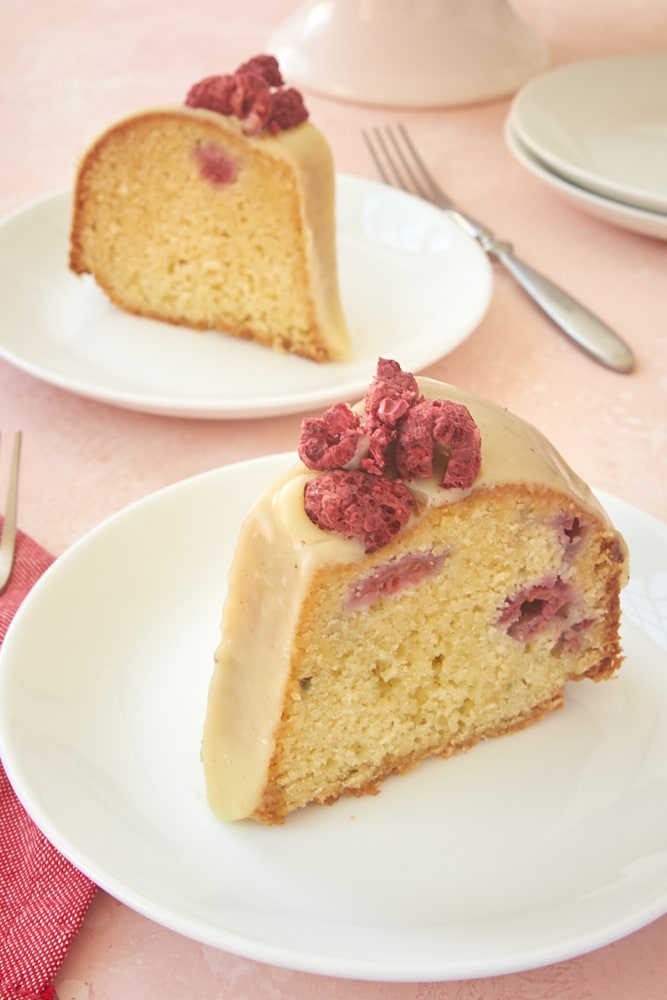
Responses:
[408,53]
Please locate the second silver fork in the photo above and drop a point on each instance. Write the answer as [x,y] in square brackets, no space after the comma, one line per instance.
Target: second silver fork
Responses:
[400,165]
[8,538]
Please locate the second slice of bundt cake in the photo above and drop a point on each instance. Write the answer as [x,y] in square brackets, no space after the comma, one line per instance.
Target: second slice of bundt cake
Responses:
[218,215]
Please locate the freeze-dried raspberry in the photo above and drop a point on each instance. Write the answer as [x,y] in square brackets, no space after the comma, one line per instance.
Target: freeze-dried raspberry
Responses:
[288,110]
[380,458]
[360,496]
[254,94]
[330,441]
[390,395]
[251,102]
[358,505]
[414,448]
[442,422]
[213,93]
[246,96]
[455,429]
[388,401]
[264,66]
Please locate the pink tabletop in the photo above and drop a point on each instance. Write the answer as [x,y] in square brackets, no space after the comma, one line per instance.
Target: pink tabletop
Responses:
[71,68]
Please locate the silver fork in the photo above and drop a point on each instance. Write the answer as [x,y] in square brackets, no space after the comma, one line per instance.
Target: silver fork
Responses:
[8,541]
[400,165]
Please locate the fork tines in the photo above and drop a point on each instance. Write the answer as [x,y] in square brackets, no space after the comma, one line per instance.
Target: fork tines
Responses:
[397,161]
[8,540]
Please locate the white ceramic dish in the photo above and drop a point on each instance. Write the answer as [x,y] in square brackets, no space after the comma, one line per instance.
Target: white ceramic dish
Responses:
[524,851]
[408,54]
[413,286]
[602,124]
[615,212]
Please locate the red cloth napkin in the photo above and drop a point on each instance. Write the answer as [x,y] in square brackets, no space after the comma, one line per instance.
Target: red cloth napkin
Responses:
[43,898]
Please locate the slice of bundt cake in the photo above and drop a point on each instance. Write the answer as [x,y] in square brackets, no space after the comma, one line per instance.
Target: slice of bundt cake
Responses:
[431,575]
[218,215]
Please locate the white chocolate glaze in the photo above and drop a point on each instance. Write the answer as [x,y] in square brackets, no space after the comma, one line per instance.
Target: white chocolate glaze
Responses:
[279,551]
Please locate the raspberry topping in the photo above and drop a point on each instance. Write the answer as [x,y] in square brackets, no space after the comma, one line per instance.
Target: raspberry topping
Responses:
[439,422]
[388,401]
[390,395]
[288,110]
[358,505]
[365,457]
[331,441]
[265,67]
[255,94]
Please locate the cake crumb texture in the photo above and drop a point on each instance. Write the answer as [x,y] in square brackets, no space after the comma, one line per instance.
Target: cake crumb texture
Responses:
[433,669]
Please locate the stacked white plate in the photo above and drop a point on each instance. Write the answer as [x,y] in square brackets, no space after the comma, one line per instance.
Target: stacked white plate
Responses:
[596,132]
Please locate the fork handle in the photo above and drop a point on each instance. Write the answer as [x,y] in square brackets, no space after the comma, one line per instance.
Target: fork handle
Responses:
[574,319]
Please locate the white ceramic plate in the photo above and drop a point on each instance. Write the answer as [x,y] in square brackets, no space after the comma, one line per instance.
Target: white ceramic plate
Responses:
[413,286]
[602,124]
[615,212]
[525,851]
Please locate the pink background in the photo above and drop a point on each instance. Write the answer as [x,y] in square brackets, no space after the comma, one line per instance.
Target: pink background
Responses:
[69,69]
